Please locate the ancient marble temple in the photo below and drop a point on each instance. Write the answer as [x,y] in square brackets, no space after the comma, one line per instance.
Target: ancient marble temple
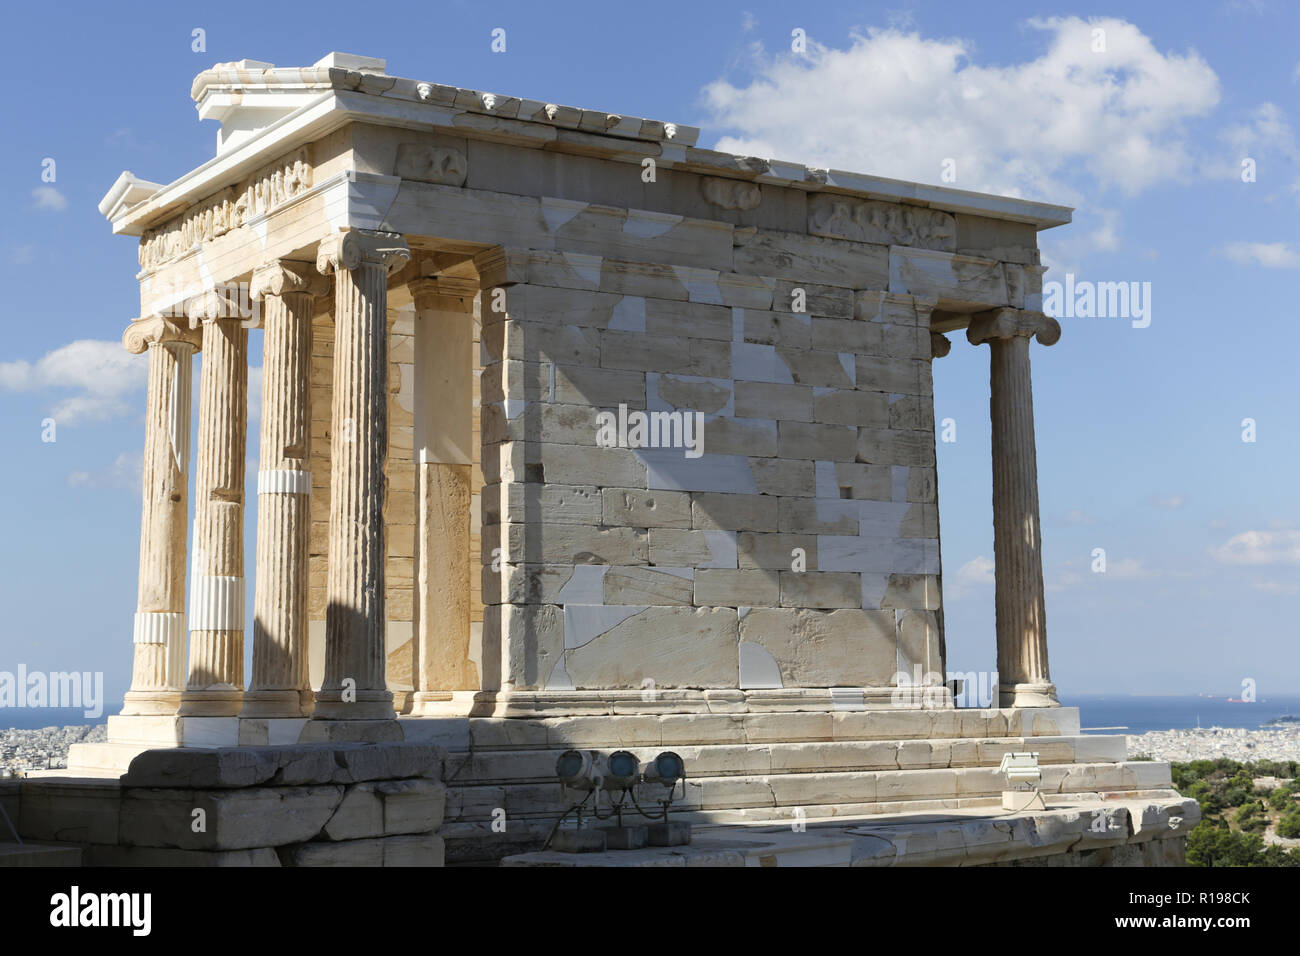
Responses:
[453,290]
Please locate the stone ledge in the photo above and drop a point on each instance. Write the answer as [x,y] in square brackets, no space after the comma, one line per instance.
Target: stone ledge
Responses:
[298,765]
[972,838]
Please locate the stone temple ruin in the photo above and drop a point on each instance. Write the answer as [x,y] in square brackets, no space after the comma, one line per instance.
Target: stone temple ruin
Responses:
[458,578]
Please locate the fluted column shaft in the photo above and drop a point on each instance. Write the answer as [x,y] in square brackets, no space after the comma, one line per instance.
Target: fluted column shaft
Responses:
[355,685]
[216,666]
[158,671]
[1023,676]
[279,685]
[444,368]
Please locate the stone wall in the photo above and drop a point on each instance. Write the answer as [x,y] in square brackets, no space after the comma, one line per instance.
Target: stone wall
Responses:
[304,805]
[800,550]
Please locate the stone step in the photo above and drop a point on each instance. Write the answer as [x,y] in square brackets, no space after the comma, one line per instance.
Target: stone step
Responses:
[102,759]
[1139,830]
[478,842]
[680,730]
[36,854]
[813,788]
[538,766]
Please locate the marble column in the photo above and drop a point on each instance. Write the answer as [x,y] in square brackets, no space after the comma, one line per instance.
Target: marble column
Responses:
[354,686]
[216,667]
[158,673]
[279,685]
[1023,678]
[940,346]
[444,369]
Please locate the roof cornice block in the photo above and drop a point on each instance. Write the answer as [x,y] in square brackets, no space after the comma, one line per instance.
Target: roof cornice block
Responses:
[266,111]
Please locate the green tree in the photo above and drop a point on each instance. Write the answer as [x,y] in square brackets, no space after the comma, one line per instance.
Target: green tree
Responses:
[1288,825]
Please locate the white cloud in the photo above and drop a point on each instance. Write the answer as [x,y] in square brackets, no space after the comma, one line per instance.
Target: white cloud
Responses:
[1265,132]
[123,473]
[1169,502]
[47,197]
[1260,547]
[1275,587]
[1270,255]
[976,574]
[101,373]
[898,104]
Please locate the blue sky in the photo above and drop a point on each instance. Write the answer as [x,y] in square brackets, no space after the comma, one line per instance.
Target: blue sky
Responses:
[1139,429]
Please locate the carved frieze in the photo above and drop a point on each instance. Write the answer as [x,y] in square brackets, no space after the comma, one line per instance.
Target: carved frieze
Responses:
[262,192]
[731,193]
[441,165]
[839,217]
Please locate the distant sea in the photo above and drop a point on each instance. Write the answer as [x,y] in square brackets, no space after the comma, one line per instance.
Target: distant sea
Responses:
[1136,714]
[33,718]
[1139,715]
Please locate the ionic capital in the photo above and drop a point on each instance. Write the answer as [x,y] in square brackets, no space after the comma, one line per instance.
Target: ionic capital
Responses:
[280,276]
[939,345]
[1009,323]
[358,247]
[156,329]
[212,305]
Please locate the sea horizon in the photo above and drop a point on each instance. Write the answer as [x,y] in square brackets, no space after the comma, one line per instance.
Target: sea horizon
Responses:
[1143,713]
[1098,713]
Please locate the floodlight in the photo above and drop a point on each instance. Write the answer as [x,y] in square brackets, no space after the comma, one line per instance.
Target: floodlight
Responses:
[574,769]
[665,769]
[1021,768]
[1023,775]
[621,769]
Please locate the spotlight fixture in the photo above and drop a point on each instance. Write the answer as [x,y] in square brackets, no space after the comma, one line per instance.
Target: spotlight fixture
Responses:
[1023,776]
[616,776]
[574,768]
[666,769]
[621,770]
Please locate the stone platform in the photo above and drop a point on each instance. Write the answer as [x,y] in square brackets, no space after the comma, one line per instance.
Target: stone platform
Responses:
[764,768]
[749,773]
[1146,831]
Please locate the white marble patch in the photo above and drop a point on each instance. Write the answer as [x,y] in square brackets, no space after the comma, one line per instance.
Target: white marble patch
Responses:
[584,623]
[701,284]
[758,668]
[558,212]
[586,586]
[827,486]
[585,267]
[628,316]
[644,224]
[758,363]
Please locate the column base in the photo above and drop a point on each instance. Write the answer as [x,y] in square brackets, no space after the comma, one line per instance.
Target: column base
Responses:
[368,705]
[277,703]
[211,702]
[151,703]
[1028,695]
